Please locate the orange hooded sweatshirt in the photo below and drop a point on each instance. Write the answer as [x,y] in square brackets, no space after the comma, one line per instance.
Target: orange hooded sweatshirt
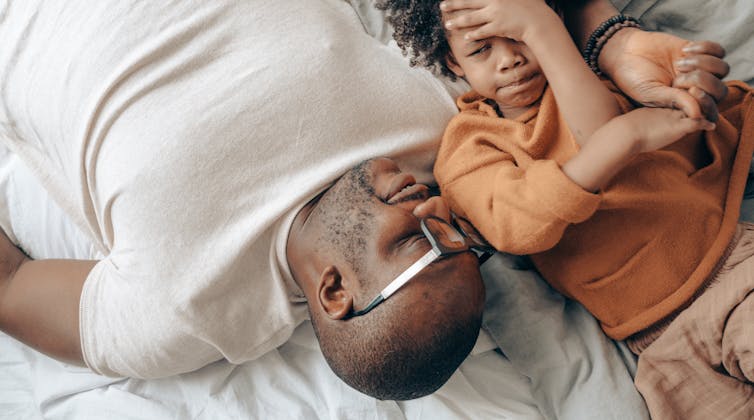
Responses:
[633,254]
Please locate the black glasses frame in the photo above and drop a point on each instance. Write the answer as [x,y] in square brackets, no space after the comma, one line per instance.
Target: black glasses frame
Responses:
[467,238]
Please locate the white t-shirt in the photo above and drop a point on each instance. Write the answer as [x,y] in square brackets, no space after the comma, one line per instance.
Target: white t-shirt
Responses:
[178,136]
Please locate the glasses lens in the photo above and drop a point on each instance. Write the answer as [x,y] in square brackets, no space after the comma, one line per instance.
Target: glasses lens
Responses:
[475,238]
[446,237]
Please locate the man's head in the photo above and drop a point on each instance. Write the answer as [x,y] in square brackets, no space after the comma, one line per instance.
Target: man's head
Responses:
[349,243]
[500,69]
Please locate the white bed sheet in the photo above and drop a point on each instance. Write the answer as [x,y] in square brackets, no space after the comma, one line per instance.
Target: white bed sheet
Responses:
[292,382]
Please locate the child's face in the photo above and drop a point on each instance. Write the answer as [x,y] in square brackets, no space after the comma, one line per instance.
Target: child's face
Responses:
[497,68]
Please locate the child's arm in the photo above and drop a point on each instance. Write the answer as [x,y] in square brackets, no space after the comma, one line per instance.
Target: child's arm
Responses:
[523,205]
[39,301]
[611,147]
[584,101]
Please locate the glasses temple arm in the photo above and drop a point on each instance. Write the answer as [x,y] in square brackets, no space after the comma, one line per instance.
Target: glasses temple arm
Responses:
[410,272]
[376,301]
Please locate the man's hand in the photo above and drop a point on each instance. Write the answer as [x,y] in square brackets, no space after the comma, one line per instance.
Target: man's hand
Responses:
[662,70]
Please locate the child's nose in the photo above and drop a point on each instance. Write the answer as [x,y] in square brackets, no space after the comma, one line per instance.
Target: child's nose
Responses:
[509,56]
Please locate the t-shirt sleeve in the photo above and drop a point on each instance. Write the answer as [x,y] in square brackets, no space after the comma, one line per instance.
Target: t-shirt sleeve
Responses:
[138,334]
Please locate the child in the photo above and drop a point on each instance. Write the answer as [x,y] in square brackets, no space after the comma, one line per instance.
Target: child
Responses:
[634,215]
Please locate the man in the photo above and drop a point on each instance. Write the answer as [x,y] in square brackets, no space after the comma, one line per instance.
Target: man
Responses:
[195,133]
[346,246]
[162,146]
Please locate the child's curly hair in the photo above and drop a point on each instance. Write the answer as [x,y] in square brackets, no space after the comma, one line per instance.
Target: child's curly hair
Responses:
[419,31]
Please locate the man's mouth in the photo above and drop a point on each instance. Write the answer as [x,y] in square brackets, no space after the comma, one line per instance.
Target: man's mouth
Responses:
[404,188]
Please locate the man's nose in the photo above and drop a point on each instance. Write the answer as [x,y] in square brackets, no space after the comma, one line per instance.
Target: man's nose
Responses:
[508,55]
[435,206]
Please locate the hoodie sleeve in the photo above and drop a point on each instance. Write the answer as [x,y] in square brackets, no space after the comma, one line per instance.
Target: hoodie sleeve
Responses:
[504,176]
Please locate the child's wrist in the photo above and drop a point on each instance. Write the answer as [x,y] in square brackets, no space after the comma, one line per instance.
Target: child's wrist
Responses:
[545,31]
[629,137]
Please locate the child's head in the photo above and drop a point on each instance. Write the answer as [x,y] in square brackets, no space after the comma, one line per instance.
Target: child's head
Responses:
[500,69]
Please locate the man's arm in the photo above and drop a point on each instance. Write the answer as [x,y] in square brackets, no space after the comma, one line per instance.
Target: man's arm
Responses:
[39,301]
[583,17]
[654,68]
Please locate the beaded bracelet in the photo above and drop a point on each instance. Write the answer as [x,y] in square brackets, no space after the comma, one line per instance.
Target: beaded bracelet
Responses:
[601,35]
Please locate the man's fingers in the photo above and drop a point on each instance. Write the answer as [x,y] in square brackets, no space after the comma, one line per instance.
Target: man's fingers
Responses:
[705,47]
[694,103]
[706,103]
[668,97]
[704,81]
[709,63]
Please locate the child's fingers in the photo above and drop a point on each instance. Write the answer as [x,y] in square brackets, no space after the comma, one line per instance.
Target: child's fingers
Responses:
[689,125]
[453,5]
[467,19]
[705,62]
[675,98]
[695,104]
[682,125]
[483,32]
[697,124]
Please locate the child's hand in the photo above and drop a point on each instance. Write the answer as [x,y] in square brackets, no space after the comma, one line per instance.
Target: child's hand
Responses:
[513,19]
[656,128]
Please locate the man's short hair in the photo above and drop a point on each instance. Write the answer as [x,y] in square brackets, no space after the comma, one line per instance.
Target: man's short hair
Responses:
[377,357]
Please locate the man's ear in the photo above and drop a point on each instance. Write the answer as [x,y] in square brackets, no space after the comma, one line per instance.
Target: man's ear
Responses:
[450,61]
[334,298]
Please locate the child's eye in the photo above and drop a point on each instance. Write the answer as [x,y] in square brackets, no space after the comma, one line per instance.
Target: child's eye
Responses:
[480,50]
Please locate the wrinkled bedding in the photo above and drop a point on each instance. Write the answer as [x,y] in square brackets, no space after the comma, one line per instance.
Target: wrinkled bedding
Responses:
[541,356]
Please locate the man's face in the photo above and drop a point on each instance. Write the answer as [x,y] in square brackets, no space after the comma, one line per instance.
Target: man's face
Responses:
[500,69]
[372,218]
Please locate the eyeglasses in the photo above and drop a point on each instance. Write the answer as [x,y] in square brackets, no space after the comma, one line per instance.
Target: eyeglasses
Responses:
[446,239]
